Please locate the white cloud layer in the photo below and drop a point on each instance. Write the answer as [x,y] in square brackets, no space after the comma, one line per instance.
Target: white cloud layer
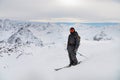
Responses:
[55,10]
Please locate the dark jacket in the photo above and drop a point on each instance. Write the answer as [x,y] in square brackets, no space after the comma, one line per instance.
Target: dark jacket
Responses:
[73,41]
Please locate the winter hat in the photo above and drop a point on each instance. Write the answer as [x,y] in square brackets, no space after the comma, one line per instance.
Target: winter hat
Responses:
[72,29]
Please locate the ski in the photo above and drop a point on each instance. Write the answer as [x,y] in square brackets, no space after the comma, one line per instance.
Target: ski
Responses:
[62,68]
[57,69]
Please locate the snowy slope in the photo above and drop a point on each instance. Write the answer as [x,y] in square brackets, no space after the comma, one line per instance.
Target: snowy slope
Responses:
[22,59]
[24,36]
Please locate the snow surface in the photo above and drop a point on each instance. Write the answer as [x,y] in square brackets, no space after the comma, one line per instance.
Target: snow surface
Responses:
[22,59]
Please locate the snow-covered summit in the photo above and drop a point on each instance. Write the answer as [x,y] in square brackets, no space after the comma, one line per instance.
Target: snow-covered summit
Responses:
[24,36]
[101,36]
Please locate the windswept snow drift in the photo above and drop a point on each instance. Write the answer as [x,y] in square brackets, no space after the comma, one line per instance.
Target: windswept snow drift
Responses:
[31,51]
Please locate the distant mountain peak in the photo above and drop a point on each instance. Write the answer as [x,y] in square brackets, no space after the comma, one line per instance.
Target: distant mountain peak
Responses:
[24,36]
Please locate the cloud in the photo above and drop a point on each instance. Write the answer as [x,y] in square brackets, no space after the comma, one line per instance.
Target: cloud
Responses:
[60,20]
[90,10]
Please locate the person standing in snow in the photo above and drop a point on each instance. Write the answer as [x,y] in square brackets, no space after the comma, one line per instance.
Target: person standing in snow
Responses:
[72,46]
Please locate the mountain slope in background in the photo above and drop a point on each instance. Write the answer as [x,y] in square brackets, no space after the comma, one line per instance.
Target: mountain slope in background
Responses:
[24,36]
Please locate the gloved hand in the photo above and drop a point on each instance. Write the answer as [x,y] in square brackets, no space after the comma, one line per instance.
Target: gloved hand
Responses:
[75,50]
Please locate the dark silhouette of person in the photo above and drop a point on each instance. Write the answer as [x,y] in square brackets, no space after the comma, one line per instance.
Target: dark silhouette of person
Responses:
[72,46]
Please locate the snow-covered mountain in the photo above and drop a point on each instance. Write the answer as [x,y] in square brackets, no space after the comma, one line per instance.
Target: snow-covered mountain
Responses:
[87,32]
[24,36]
[32,50]
[101,36]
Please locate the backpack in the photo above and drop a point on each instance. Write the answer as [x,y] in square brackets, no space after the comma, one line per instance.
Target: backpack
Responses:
[78,38]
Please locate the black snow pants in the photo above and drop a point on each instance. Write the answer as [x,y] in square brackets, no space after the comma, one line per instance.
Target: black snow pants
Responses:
[72,55]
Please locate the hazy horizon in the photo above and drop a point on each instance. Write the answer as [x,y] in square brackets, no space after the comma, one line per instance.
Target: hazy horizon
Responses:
[61,10]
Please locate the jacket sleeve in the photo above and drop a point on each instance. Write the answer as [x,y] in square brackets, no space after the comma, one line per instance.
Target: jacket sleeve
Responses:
[77,42]
[68,43]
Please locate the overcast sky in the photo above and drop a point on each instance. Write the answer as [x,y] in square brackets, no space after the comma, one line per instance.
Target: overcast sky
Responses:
[61,10]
